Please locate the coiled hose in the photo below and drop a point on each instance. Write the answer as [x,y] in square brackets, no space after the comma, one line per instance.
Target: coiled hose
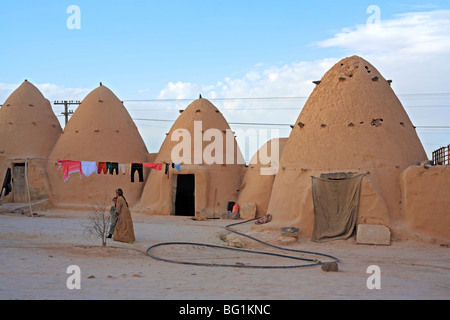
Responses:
[310,262]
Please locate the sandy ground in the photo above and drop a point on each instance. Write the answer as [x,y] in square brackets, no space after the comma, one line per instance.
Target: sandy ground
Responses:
[36,252]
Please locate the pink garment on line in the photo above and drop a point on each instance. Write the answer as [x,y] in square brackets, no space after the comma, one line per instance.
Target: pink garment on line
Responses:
[69,167]
[156,166]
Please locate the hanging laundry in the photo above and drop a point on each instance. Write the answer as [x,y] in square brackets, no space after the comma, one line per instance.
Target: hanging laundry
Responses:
[128,172]
[139,168]
[102,167]
[166,170]
[69,167]
[114,166]
[7,183]
[88,167]
[108,167]
[123,168]
[156,166]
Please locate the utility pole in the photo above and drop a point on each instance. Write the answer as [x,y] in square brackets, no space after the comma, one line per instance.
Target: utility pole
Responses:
[66,104]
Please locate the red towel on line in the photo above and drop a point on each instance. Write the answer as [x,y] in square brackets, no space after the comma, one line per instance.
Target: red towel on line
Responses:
[156,166]
[102,167]
[70,166]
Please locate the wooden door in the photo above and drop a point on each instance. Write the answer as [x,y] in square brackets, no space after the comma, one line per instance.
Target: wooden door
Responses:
[18,185]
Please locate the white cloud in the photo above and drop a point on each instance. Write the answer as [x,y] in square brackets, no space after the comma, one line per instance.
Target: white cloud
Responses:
[290,80]
[56,92]
[409,33]
[5,91]
[50,91]
[411,48]
[410,43]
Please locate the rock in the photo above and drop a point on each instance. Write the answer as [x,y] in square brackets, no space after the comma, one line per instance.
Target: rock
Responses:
[230,215]
[234,241]
[330,267]
[373,234]
[287,240]
[201,215]
[290,232]
[248,211]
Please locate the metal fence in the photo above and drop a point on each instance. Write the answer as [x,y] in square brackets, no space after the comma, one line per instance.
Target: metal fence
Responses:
[442,156]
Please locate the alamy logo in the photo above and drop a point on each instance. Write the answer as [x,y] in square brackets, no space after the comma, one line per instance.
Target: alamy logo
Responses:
[74,280]
[374,281]
[74,20]
[220,148]
[375,18]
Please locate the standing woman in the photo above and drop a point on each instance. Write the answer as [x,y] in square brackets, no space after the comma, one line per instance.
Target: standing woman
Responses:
[124,231]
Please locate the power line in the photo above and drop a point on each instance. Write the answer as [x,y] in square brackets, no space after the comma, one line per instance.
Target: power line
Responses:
[271,124]
[269,109]
[272,98]
[424,94]
[155,120]
[66,104]
[234,123]
[219,99]
[260,99]
[427,106]
[433,127]
[67,112]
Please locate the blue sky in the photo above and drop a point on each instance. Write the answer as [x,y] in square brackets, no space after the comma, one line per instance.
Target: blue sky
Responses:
[145,44]
[225,49]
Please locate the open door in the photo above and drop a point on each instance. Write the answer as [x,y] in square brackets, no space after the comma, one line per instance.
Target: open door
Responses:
[185,195]
[19,186]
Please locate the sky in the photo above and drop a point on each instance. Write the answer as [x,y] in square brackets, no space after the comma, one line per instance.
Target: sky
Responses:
[255,60]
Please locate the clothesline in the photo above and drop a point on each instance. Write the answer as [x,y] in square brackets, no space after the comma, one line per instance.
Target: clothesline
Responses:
[88,168]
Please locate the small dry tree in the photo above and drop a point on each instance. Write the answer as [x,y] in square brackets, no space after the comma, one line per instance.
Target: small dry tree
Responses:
[98,222]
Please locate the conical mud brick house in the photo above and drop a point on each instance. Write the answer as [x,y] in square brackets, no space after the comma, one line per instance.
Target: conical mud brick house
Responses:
[210,169]
[350,143]
[28,131]
[258,180]
[100,130]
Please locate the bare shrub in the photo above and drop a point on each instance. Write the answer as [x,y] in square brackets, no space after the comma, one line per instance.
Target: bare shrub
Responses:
[98,222]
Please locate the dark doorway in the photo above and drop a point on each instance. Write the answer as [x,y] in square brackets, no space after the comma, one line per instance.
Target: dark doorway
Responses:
[19,187]
[185,197]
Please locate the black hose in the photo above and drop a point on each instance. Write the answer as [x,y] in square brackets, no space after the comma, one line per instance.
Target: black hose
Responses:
[311,262]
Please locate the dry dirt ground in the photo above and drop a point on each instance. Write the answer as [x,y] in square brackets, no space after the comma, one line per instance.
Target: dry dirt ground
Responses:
[36,252]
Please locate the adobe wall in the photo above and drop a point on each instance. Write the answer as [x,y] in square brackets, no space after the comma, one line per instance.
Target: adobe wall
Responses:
[426,202]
